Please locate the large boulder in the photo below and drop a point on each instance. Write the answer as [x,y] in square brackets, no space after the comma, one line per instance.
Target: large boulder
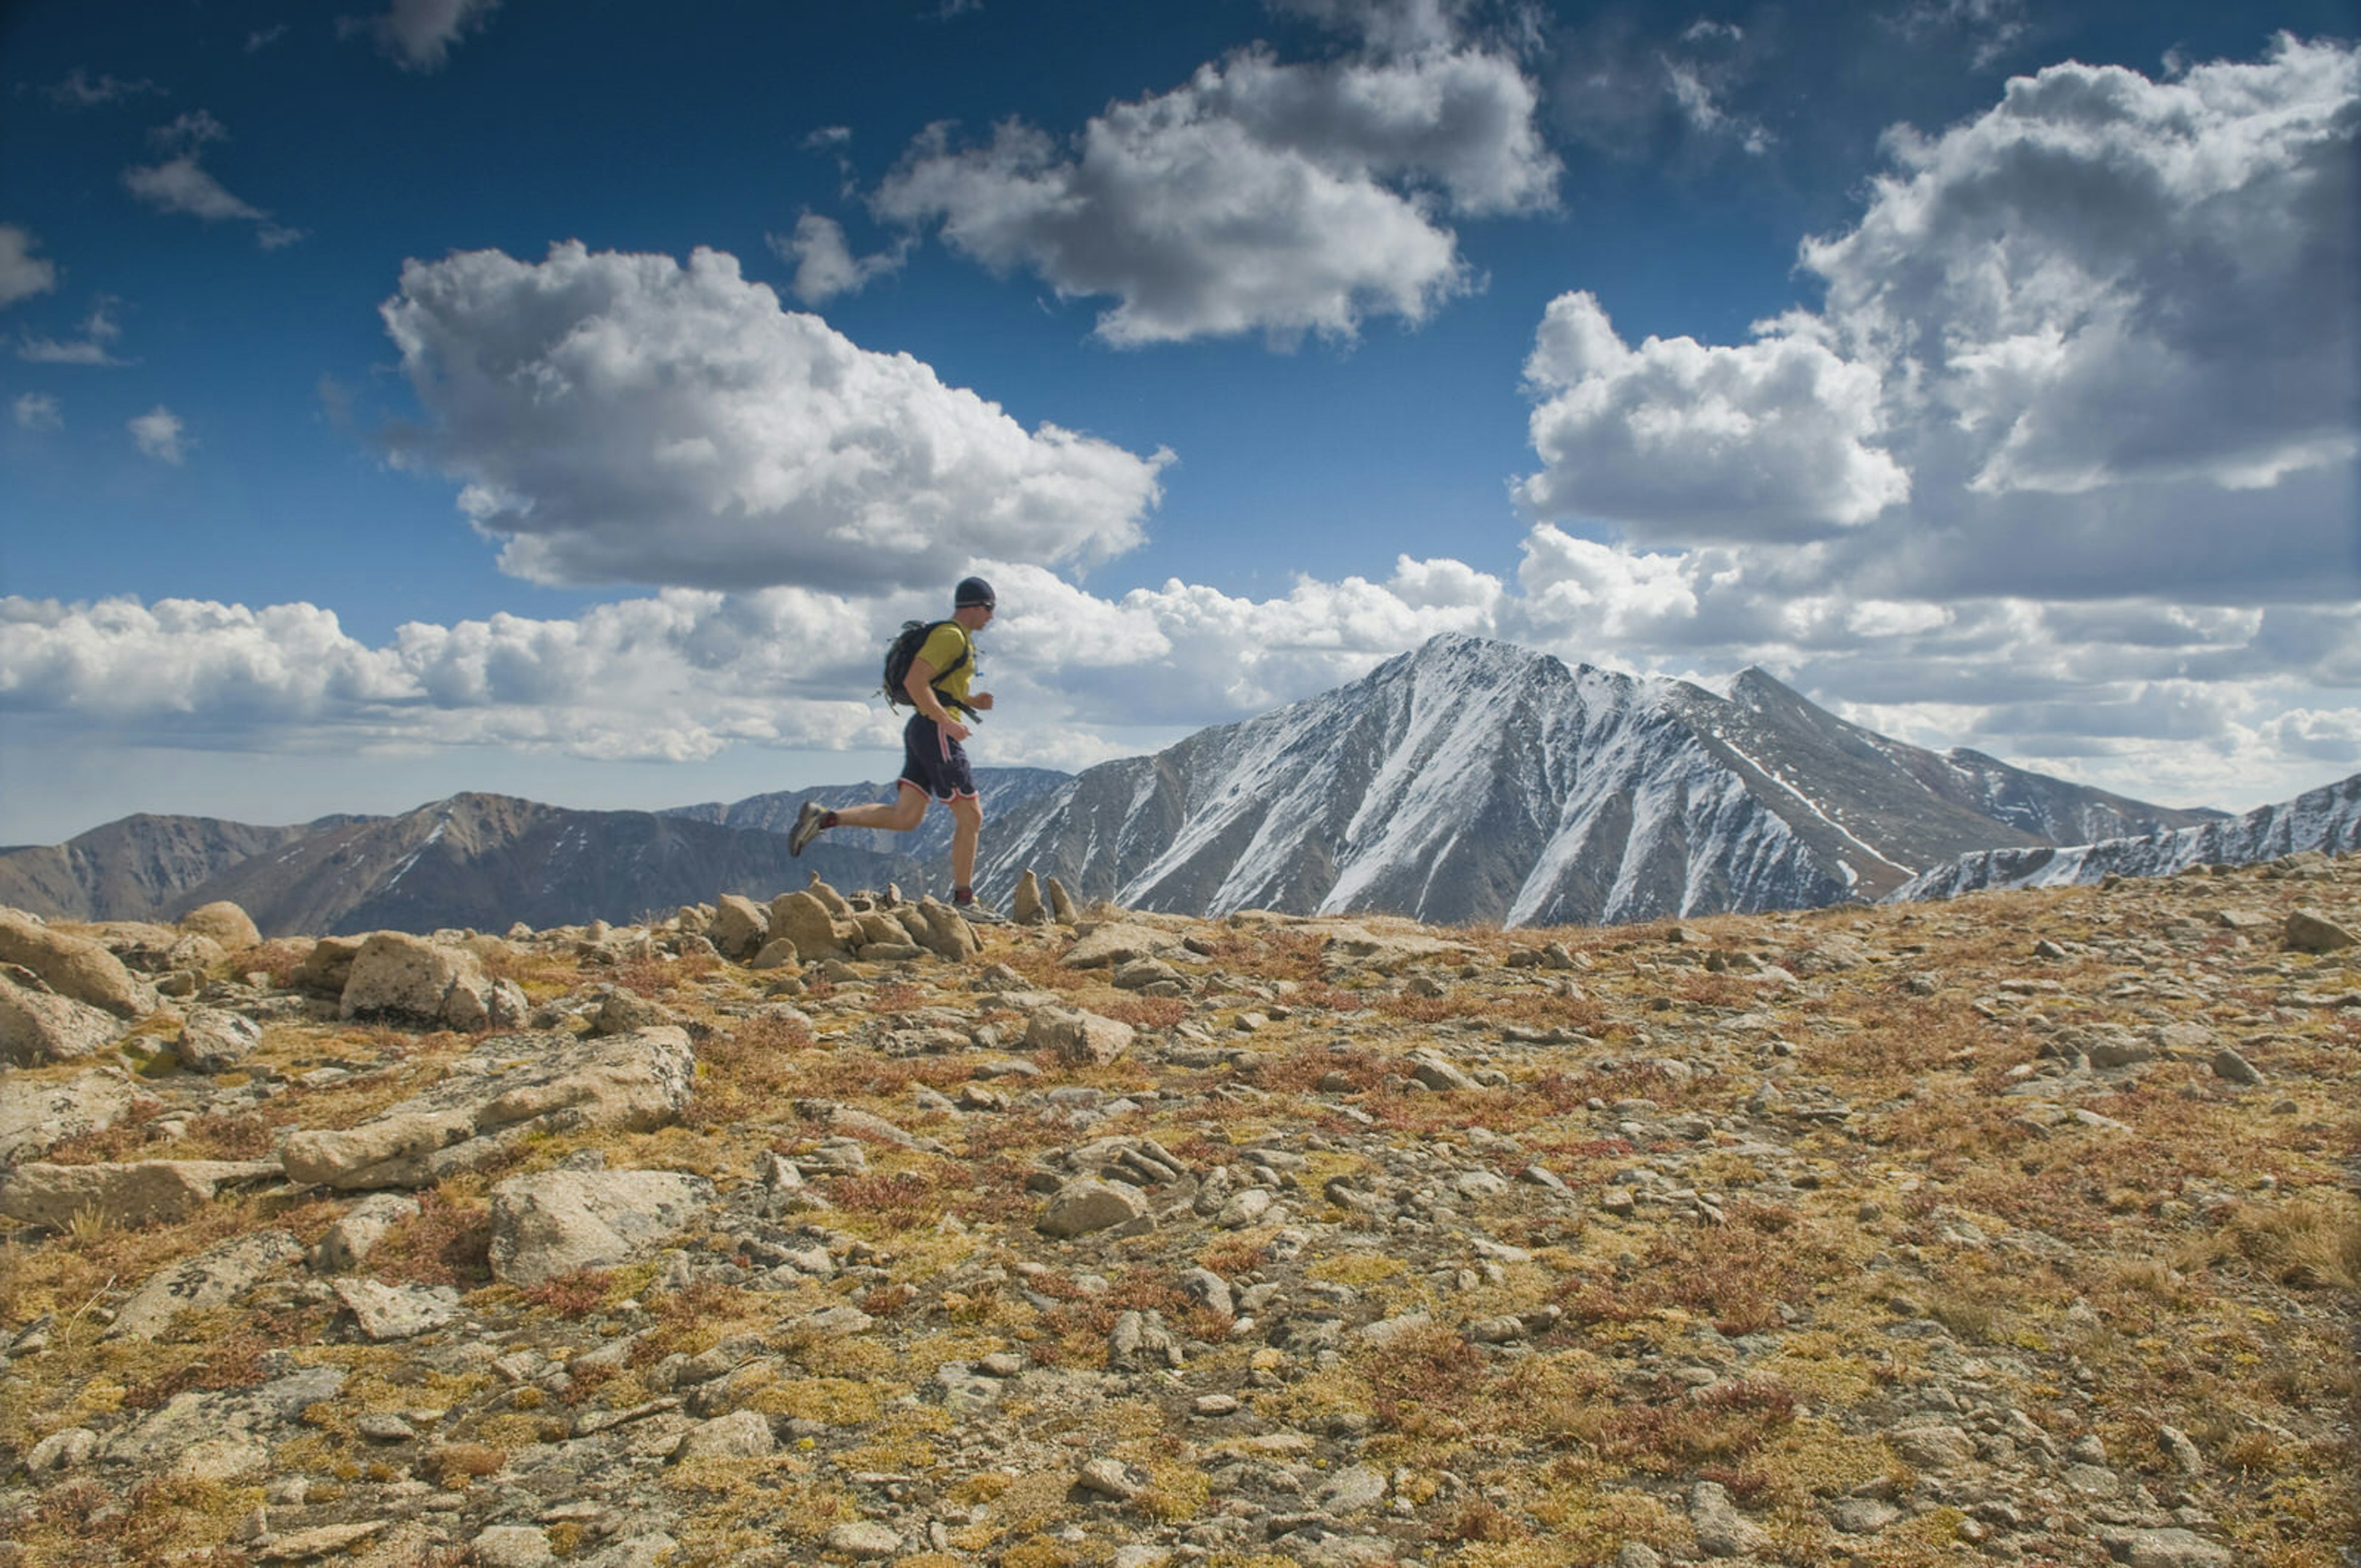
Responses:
[556,1222]
[324,970]
[398,976]
[223,921]
[509,1087]
[123,1194]
[73,965]
[39,1026]
[943,931]
[739,928]
[36,1114]
[215,1040]
[805,920]
[1078,1038]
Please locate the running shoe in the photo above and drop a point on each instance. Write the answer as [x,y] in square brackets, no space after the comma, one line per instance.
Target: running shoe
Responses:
[809,822]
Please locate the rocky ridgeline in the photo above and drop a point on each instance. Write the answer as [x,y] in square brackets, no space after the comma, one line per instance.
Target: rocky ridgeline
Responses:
[833,1230]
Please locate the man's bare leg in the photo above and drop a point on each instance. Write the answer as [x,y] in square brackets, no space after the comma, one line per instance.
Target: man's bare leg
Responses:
[967,825]
[908,810]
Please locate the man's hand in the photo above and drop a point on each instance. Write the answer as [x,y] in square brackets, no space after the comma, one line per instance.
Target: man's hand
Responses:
[981,702]
[952,728]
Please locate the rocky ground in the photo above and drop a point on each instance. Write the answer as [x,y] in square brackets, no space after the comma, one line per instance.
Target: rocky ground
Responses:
[2018,1229]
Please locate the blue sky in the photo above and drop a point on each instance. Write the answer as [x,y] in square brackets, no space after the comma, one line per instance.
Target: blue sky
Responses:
[567,400]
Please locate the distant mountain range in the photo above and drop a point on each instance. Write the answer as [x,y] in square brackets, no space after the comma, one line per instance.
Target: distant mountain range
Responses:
[1467,780]
[474,860]
[1475,781]
[2328,818]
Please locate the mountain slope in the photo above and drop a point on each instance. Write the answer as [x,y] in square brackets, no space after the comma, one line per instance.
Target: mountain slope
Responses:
[139,868]
[2328,820]
[487,862]
[1475,781]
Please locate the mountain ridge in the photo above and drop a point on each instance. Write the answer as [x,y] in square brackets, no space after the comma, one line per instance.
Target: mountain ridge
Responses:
[1473,780]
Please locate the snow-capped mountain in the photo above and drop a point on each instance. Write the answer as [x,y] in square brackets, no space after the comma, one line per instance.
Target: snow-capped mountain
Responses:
[2328,820]
[1475,781]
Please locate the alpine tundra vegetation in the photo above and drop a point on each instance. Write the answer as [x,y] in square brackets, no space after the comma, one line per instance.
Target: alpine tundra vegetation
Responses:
[2015,1228]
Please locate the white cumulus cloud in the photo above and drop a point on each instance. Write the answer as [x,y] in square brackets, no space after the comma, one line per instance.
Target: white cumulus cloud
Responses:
[1775,439]
[623,418]
[23,274]
[38,410]
[2099,341]
[1262,196]
[159,433]
[417,35]
[2107,279]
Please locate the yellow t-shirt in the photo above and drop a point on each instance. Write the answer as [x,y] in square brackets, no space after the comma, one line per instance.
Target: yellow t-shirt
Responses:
[941,649]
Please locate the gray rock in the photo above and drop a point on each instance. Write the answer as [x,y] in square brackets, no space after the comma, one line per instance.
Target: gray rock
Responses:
[66,1450]
[1209,1289]
[865,1540]
[1061,904]
[1024,905]
[2183,1453]
[510,1085]
[39,1026]
[739,926]
[1638,1554]
[1863,1516]
[512,1546]
[2307,932]
[1087,1204]
[1437,1071]
[225,922]
[1077,1037]
[626,1012]
[73,967]
[385,1312]
[804,918]
[1353,1490]
[211,1278]
[137,1193]
[2229,1066]
[740,1434]
[1117,943]
[214,1040]
[402,978]
[1111,1478]
[1721,1530]
[557,1221]
[2166,1548]
[36,1114]
[365,1224]
[1932,1448]
[1140,1342]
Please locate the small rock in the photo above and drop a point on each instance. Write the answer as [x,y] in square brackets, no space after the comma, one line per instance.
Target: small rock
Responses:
[1721,1530]
[2229,1066]
[2166,1548]
[865,1539]
[1087,1204]
[2310,933]
[1110,1478]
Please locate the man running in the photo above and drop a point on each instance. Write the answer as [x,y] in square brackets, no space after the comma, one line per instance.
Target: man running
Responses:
[934,764]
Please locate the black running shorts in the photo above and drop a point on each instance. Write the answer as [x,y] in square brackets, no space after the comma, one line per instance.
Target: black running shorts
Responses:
[933,761]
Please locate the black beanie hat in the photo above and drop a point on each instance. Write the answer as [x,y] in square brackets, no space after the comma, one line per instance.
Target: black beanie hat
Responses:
[973,590]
